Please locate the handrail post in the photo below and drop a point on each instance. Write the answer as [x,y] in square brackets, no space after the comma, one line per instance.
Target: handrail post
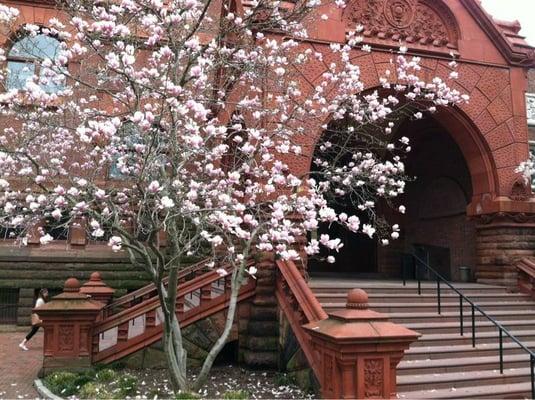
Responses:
[438,297]
[461,314]
[418,277]
[532,368]
[473,326]
[501,350]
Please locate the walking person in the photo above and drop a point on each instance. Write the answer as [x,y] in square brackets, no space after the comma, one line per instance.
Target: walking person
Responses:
[36,322]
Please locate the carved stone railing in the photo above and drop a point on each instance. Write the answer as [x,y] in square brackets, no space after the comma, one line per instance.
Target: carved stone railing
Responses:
[139,326]
[149,291]
[300,306]
[526,276]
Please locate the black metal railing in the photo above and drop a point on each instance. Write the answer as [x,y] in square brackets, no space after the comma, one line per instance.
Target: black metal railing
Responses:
[432,274]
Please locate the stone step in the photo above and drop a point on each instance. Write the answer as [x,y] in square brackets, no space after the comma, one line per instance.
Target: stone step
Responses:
[380,298]
[432,317]
[400,307]
[481,337]
[462,379]
[396,287]
[465,350]
[481,326]
[419,367]
[503,391]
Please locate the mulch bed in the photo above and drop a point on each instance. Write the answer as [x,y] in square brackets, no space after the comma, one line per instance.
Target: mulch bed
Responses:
[154,384]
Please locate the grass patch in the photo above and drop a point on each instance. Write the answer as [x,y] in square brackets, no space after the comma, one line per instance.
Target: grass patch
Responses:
[94,384]
[236,395]
[187,396]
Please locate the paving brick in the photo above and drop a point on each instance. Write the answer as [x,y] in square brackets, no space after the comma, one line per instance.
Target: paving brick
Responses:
[18,368]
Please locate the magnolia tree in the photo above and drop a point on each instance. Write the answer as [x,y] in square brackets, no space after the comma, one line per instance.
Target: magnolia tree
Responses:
[181,117]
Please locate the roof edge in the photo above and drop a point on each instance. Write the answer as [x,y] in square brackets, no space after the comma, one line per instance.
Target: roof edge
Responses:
[524,57]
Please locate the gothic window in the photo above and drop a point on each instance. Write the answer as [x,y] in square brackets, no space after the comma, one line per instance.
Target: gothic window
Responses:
[24,61]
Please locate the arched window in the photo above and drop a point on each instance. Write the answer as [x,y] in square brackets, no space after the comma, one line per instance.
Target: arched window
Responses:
[24,59]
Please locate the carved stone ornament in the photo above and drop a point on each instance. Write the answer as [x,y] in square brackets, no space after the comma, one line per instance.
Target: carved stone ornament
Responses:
[520,191]
[373,378]
[423,22]
[504,217]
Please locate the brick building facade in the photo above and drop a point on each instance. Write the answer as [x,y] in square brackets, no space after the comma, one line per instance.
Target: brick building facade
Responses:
[468,207]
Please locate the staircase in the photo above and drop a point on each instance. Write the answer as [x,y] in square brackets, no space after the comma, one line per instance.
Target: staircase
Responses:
[443,364]
[134,321]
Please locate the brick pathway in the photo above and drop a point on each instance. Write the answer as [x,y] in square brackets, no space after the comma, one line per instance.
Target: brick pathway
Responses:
[18,368]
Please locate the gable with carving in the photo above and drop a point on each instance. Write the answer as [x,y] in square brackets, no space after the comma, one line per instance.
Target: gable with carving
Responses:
[421,22]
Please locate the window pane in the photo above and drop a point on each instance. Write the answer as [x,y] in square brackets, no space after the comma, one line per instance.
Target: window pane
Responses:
[128,136]
[51,85]
[18,74]
[37,47]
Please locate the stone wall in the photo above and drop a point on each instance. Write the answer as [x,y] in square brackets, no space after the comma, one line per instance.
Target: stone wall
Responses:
[292,360]
[31,268]
[260,348]
[499,246]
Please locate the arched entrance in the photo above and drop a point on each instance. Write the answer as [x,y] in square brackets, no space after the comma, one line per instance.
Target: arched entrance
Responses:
[437,201]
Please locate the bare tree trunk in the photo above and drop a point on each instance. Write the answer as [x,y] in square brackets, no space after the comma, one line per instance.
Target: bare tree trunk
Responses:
[218,346]
[175,354]
[172,336]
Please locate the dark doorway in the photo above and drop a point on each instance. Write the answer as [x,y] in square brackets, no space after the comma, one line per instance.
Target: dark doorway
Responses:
[357,257]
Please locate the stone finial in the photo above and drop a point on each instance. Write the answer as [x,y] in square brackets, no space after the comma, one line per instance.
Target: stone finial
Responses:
[357,299]
[72,285]
[95,277]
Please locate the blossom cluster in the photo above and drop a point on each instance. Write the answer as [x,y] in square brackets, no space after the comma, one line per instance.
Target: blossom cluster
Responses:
[167,124]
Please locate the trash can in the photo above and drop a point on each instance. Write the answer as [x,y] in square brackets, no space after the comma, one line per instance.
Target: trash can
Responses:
[465,274]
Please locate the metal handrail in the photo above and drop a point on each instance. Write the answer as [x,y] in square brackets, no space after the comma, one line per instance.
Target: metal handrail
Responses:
[474,307]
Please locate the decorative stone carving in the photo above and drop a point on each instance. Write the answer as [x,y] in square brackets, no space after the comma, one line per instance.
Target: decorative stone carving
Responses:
[373,378]
[520,191]
[423,22]
[530,106]
[66,338]
[505,218]
[399,13]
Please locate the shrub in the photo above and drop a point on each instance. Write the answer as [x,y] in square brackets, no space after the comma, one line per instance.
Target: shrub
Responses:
[62,383]
[94,390]
[236,395]
[187,396]
[105,375]
[126,385]
[284,380]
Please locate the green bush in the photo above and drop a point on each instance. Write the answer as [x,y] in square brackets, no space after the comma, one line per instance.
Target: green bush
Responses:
[282,379]
[187,396]
[236,395]
[105,375]
[94,390]
[62,383]
[126,385]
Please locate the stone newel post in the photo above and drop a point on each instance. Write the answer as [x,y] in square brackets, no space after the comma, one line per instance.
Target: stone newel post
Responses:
[97,289]
[67,322]
[358,350]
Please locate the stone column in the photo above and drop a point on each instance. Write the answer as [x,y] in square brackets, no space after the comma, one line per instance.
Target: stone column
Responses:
[358,351]
[68,320]
[502,240]
[262,332]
